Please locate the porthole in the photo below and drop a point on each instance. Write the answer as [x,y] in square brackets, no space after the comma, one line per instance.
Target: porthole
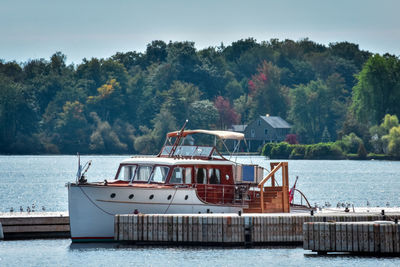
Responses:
[151,196]
[186,197]
[169,197]
[131,196]
[112,195]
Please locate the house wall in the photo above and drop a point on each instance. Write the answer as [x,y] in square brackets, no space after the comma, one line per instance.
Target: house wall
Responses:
[259,126]
[259,138]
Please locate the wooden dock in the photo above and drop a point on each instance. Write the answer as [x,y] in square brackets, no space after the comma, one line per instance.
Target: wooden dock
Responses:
[24,225]
[195,229]
[379,237]
[227,229]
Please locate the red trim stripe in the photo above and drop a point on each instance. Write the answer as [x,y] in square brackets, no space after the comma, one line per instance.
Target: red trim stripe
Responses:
[96,237]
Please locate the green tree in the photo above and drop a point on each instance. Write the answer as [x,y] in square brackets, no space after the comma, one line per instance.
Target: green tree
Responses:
[380,144]
[393,141]
[378,89]
[71,131]
[179,97]
[309,110]
[104,138]
[203,115]
[18,118]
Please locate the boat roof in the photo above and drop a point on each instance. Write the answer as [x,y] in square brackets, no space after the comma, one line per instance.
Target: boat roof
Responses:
[174,161]
[220,134]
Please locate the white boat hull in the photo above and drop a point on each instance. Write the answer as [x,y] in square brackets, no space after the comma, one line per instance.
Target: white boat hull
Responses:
[92,207]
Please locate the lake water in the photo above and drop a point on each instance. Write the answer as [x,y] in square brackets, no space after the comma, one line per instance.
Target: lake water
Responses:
[40,180]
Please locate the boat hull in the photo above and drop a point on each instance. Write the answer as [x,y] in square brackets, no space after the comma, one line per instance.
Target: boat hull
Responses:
[92,207]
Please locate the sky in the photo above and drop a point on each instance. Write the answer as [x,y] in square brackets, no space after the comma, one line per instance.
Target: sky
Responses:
[33,29]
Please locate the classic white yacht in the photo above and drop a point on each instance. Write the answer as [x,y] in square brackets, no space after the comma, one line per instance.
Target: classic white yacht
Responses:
[180,179]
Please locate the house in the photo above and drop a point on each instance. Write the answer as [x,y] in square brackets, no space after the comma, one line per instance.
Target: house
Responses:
[266,129]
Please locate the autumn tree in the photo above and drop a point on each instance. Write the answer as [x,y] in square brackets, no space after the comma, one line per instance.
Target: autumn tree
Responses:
[266,92]
[227,115]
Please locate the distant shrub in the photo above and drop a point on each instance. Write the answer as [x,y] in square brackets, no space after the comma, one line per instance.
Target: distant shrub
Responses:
[323,151]
[314,151]
[298,152]
[281,151]
[266,151]
[378,156]
[350,143]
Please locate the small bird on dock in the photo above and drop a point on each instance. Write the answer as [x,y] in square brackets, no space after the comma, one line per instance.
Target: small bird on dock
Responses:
[43,208]
[387,204]
[368,203]
[28,209]
[21,209]
[11,209]
[33,207]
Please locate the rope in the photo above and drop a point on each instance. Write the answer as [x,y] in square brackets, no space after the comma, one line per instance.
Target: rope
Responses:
[94,202]
[172,199]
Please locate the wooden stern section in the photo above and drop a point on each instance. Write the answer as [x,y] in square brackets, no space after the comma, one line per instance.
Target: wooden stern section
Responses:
[271,199]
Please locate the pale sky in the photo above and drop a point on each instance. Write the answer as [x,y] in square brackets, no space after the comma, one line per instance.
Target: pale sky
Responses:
[31,29]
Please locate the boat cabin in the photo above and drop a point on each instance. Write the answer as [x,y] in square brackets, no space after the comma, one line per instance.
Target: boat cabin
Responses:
[214,178]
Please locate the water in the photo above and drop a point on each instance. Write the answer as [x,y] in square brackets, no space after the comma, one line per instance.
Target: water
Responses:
[40,180]
[62,253]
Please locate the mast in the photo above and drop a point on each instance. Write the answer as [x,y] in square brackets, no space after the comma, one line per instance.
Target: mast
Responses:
[178,139]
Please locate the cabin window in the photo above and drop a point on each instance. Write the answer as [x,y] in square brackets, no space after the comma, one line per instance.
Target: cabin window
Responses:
[159,174]
[266,131]
[143,173]
[127,172]
[201,177]
[188,175]
[253,133]
[215,176]
[259,122]
[177,176]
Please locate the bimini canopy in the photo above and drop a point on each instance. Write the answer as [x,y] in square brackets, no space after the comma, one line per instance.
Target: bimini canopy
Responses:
[220,134]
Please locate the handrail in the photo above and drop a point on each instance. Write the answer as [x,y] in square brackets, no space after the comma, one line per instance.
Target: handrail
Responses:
[284,166]
[263,181]
[303,196]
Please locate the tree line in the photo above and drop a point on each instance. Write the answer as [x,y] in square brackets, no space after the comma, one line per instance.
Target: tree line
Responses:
[127,103]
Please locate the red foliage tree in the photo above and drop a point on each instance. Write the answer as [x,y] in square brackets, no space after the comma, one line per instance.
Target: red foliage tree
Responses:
[291,139]
[227,115]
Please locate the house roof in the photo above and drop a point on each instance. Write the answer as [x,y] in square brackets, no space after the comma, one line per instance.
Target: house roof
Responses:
[276,122]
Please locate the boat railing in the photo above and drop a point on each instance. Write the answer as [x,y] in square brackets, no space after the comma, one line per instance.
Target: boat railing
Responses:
[223,194]
[303,199]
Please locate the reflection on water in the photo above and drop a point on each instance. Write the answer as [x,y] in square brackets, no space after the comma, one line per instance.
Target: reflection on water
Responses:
[60,252]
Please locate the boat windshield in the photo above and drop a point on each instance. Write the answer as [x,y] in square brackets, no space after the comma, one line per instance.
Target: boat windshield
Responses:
[143,173]
[188,151]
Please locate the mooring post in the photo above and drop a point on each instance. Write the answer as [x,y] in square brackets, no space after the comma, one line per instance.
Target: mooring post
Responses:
[248,225]
[1,232]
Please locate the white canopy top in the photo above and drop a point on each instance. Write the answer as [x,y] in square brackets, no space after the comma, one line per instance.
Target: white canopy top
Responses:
[220,134]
